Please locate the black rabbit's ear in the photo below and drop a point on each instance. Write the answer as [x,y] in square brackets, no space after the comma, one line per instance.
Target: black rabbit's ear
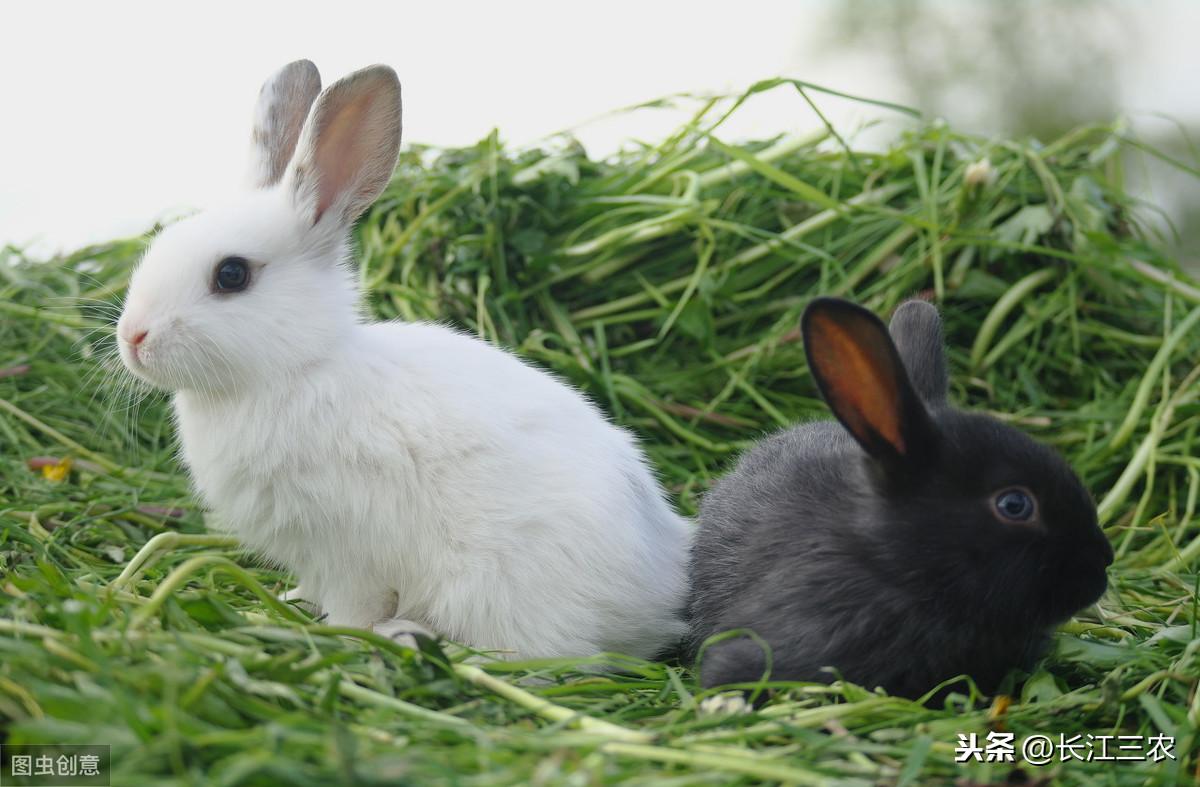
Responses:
[916,329]
[862,378]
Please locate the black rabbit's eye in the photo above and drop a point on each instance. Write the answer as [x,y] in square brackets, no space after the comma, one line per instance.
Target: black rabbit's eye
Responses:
[1015,505]
[233,274]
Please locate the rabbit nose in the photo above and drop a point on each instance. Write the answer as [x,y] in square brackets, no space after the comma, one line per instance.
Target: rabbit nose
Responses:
[133,338]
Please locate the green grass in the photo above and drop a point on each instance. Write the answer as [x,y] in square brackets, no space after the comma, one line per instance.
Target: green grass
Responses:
[667,283]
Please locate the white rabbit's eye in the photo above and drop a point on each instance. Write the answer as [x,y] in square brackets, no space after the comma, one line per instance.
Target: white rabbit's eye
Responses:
[1014,505]
[232,275]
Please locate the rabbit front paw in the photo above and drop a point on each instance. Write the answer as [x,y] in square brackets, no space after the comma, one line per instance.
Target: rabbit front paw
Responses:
[402,631]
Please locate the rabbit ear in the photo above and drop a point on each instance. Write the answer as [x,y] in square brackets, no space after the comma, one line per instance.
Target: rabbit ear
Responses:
[283,105]
[861,376]
[916,329]
[348,148]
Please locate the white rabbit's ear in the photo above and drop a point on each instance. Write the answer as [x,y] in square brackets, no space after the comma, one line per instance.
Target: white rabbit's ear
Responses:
[348,149]
[283,104]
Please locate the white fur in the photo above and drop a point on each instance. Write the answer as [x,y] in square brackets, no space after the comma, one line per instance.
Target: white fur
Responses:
[402,471]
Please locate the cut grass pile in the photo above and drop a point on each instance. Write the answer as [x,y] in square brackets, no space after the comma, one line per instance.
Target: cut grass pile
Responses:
[666,282]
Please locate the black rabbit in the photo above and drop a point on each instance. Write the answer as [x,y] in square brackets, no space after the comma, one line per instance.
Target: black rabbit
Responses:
[906,545]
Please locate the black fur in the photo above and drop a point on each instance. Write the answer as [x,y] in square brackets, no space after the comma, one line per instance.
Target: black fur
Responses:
[901,577]
[917,331]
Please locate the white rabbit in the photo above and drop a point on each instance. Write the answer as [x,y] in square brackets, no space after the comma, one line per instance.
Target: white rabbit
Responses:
[404,472]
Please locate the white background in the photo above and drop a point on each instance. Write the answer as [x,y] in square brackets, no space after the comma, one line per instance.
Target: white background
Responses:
[115,116]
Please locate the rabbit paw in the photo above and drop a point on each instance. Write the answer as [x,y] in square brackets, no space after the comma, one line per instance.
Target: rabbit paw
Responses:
[402,631]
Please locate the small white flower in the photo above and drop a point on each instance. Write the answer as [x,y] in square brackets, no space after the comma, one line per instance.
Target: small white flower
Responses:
[727,704]
[73,606]
[979,173]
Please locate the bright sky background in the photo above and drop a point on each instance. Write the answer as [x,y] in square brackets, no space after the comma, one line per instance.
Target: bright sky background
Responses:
[117,115]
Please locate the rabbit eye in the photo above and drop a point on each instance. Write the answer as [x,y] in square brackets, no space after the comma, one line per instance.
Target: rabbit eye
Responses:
[232,275]
[1014,505]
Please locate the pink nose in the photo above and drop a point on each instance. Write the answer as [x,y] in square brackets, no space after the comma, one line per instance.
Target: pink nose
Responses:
[138,338]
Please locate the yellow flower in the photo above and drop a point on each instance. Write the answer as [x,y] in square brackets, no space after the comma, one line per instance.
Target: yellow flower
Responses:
[58,471]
